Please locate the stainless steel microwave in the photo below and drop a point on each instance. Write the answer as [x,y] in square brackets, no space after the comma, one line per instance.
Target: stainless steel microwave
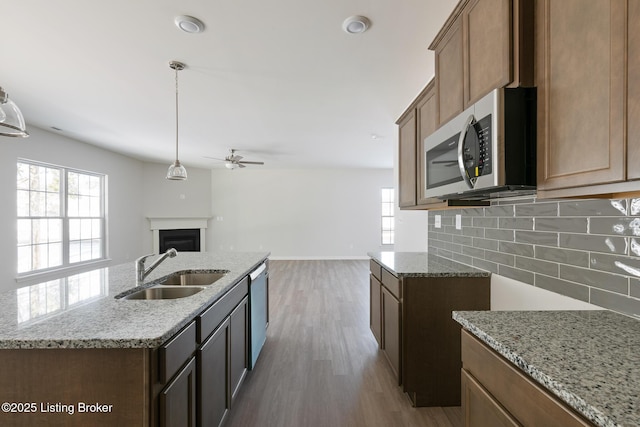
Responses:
[489,150]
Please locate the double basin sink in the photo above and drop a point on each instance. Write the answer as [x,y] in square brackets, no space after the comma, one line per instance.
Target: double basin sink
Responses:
[180,284]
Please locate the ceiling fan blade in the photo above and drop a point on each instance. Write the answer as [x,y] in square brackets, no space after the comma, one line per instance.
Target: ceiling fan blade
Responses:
[252,163]
[214,158]
[241,165]
[236,158]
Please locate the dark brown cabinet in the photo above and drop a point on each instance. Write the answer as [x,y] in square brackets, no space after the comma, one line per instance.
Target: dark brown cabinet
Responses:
[238,347]
[178,399]
[213,385]
[411,320]
[391,331]
[224,355]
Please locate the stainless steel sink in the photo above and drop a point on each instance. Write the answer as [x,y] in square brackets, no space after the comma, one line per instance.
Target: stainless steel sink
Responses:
[193,278]
[165,292]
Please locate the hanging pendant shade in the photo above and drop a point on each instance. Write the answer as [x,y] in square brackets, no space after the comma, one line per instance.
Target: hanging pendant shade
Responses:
[176,171]
[11,119]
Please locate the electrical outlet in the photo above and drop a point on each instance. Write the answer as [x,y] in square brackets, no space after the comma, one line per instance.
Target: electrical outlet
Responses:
[458,222]
[438,221]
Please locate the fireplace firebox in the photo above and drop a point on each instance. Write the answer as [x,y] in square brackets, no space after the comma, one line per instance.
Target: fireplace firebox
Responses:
[183,240]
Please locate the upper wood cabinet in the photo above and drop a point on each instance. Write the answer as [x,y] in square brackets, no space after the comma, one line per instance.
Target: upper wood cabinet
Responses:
[407,159]
[484,45]
[588,104]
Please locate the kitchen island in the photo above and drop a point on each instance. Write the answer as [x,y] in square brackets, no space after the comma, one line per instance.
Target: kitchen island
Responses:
[519,364]
[412,295]
[74,354]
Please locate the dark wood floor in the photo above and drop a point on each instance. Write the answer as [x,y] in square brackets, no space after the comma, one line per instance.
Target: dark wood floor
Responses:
[321,365]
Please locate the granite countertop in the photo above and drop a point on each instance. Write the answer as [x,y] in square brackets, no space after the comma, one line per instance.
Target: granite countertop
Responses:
[423,264]
[588,359]
[80,311]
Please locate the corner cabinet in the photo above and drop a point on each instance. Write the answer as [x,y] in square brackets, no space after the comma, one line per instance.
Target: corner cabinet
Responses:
[497,394]
[483,45]
[588,105]
[410,318]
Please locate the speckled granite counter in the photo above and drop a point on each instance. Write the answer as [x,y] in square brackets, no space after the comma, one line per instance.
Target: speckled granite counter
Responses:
[422,264]
[588,359]
[98,320]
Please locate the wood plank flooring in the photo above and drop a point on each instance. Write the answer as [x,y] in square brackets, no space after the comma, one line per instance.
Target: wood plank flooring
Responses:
[320,365]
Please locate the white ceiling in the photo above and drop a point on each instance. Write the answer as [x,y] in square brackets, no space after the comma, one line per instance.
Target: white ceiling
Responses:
[278,80]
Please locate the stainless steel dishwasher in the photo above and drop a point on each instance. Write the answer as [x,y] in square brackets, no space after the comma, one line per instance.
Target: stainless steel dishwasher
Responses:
[258,310]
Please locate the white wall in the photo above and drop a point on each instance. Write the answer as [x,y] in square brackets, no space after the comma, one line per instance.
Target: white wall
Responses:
[125,217]
[177,199]
[298,214]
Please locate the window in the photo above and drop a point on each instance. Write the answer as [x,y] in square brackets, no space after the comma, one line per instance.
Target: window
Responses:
[388,222]
[61,220]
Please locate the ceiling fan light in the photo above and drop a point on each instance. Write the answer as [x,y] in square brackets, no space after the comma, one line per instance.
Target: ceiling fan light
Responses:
[177,172]
[11,119]
[230,165]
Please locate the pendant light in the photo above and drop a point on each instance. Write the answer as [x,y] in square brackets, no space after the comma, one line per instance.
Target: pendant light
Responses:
[176,171]
[11,120]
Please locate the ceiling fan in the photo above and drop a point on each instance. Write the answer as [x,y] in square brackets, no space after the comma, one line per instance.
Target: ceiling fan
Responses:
[233,161]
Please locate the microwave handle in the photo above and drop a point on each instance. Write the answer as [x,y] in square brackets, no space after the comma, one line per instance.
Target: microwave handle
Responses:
[463,171]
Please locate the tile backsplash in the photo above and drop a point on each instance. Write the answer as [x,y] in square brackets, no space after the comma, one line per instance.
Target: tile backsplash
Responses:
[585,249]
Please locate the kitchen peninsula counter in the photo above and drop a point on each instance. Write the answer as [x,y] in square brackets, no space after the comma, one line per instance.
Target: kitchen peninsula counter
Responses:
[85,314]
[587,359]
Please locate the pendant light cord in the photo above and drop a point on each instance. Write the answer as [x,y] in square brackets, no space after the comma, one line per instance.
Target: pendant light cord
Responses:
[176,69]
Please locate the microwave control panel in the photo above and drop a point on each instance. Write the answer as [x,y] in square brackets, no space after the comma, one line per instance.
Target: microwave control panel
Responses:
[477,148]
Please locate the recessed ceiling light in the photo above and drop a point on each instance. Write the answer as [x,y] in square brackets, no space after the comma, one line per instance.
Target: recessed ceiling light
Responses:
[356,24]
[189,24]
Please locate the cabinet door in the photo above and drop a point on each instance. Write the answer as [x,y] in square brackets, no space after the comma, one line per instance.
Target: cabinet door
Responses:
[450,73]
[375,313]
[391,331]
[487,47]
[426,113]
[213,360]
[479,409]
[407,160]
[239,346]
[580,96]
[633,88]
[178,399]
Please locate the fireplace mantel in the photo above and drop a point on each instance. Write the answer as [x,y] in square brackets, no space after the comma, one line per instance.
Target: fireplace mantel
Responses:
[174,223]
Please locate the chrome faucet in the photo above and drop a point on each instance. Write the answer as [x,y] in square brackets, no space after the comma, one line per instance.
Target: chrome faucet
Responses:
[142,272]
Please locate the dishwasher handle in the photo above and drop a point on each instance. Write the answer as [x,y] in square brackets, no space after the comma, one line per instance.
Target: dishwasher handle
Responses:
[255,273]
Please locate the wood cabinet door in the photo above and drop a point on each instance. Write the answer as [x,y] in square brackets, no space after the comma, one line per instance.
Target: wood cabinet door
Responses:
[487,35]
[479,409]
[178,399]
[580,73]
[238,346]
[407,160]
[633,91]
[450,74]
[426,113]
[213,384]
[375,309]
[391,332]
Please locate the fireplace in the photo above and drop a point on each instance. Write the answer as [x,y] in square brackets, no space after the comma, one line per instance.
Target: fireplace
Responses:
[186,234]
[183,240]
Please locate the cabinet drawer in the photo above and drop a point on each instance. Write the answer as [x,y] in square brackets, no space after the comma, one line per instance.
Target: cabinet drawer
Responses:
[376,269]
[524,399]
[175,352]
[392,283]
[209,320]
